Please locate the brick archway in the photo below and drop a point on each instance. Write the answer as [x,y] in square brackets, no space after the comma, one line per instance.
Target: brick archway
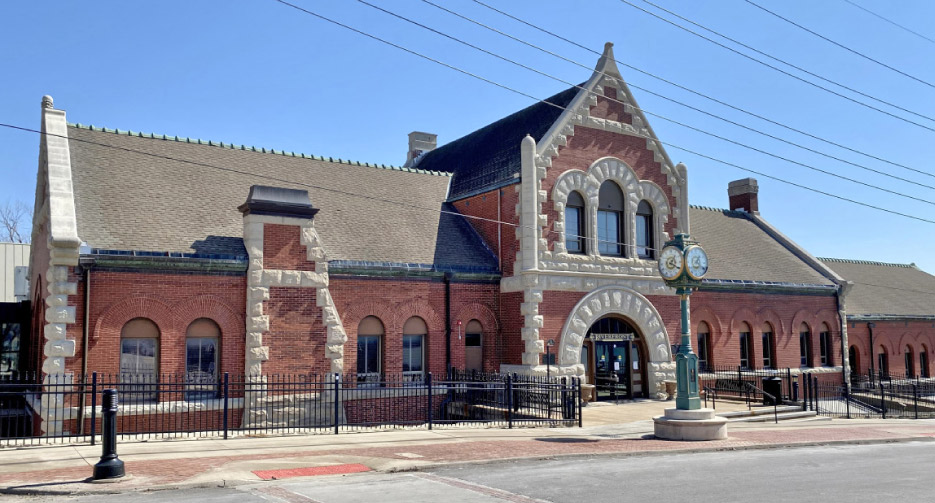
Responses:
[110,323]
[638,311]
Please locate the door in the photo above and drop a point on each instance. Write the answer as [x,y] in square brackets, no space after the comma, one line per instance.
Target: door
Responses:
[611,372]
[473,346]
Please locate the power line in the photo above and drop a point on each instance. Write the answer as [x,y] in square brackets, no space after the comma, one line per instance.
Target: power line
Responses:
[890,21]
[842,46]
[668,119]
[686,105]
[784,72]
[687,89]
[684,149]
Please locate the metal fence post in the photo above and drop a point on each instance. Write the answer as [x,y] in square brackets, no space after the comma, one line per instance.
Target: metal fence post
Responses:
[337,401]
[847,402]
[915,400]
[226,404]
[580,401]
[509,400]
[93,407]
[428,408]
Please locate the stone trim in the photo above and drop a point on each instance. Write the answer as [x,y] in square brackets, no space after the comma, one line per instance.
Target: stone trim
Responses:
[260,280]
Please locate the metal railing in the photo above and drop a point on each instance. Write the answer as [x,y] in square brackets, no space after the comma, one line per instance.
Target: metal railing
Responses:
[66,409]
[891,398]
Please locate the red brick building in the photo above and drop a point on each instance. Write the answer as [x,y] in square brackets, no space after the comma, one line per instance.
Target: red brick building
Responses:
[533,236]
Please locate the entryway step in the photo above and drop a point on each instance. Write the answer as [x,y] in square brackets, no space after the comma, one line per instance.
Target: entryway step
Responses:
[757,411]
[786,416]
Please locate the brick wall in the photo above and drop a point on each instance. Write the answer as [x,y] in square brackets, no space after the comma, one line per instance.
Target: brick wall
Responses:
[485,206]
[296,337]
[894,337]
[283,249]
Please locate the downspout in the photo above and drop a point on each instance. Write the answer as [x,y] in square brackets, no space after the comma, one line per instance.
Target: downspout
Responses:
[447,280]
[85,331]
[499,227]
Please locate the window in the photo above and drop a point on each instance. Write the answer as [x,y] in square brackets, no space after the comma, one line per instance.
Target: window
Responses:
[414,332]
[473,346]
[9,351]
[805,346]
[924,362]
[909,360]
[746,349]
[574,224]
[610,219]
[704,345]
[201,359]
[139,343]
[369,347]
[644,230]
[768,345]
[853,360]
[883,363]
[824,343]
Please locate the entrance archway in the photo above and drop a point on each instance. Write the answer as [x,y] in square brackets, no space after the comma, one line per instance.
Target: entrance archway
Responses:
[626,304]
[613,359]
[853,358]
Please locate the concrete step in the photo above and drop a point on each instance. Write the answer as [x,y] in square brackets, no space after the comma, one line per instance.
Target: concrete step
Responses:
[786,416]
[760,410]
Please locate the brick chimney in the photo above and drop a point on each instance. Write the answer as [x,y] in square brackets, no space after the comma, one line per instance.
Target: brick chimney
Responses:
[419,143]
[742,195]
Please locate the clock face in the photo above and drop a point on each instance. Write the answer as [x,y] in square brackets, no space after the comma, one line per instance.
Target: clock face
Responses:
[670,262]
[697,262]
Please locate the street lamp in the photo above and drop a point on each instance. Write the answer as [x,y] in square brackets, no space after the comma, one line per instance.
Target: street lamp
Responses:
[548,358]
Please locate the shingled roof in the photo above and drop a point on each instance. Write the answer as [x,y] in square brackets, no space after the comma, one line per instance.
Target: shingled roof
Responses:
[489,157]
[882,289]
[158,193]
[740,250]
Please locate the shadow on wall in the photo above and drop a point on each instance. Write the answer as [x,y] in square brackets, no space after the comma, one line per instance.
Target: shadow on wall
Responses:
[220,245]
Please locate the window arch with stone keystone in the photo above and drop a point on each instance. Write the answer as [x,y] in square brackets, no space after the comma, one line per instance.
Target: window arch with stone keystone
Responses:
[638,311]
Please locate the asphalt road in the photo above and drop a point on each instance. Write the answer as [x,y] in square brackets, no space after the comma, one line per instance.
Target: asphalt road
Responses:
[852,473]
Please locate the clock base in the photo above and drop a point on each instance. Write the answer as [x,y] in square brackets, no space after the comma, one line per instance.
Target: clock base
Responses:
[695,424]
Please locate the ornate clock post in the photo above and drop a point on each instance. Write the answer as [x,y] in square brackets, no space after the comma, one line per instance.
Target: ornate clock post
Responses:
[683,264]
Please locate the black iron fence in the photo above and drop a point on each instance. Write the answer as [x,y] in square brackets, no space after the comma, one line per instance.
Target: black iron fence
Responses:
[748,383]
[907,398]
[66,409]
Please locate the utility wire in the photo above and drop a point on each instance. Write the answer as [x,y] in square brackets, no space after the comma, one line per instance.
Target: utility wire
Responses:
[684,149]
[686,105]
[838,44]
[687,89]
[890,21]
[668,119]
[784,72]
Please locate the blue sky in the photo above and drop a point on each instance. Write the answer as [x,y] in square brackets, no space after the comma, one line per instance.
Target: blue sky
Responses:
[260,73]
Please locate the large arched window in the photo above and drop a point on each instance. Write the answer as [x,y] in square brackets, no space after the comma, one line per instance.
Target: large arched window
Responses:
[746,347]
[853,360]
[474,346]
[824,343]
[610,220]
[644,230]
[769,346]
[201,358]
[704,347]
[139,358]
[883,363]
[369,350]
[924,361]
[574,224]
[414,334]
[805,345]
[909,358]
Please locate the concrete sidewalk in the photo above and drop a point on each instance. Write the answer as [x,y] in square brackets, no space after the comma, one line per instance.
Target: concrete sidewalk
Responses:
[611,430]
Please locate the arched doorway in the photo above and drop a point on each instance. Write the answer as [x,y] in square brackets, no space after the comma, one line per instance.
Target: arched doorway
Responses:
[853,360]
[614,360]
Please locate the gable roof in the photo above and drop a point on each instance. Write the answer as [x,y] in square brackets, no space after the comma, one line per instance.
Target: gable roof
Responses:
[148,192]
[882,289]
[740,250]
[489,157]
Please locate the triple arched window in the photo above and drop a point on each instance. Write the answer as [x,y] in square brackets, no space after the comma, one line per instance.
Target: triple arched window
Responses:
[611,216]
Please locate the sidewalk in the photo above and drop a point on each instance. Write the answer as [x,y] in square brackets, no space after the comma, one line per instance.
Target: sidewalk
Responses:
[609,429]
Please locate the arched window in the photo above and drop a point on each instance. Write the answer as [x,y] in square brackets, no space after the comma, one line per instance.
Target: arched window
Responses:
[853,360]
[201,358]
[769,346]
[644,230]
[139,363]
[575,229]
[805,345]
[474,346]
[924,361]
[746,347]
[883,363]
[610,220]
[369,350]
[909,360]
[704,347]
[824,346]
[414,332]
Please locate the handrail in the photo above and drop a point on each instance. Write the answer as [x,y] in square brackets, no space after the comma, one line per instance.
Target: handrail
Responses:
[707,390]
[752,387]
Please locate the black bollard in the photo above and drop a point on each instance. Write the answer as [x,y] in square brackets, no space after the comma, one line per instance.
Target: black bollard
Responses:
[110,466]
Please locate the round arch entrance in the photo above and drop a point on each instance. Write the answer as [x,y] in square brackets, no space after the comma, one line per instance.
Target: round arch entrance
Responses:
[636,310]
[612,355]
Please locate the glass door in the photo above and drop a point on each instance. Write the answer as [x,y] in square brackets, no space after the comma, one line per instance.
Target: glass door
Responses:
[611,376]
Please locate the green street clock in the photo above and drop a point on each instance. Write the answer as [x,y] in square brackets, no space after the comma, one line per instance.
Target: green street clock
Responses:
[683,263]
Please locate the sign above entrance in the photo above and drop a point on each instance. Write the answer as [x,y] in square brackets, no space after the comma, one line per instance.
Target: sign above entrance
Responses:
[612,337]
